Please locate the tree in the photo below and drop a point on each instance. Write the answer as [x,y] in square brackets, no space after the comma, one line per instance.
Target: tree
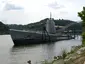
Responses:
[82,16]
[4,29]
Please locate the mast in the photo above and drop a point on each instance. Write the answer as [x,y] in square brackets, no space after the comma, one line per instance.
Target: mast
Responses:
[50,15]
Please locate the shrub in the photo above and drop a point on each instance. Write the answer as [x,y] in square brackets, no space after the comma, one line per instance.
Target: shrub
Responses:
[83,37]
[64,54]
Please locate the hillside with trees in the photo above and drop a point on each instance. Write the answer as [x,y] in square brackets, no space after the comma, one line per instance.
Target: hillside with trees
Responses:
[39,25]
[4,29]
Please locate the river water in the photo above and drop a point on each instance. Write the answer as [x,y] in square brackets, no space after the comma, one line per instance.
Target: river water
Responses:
[36,53]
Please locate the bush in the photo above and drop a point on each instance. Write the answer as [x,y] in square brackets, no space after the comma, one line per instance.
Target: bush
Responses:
[83,37]
[64,54]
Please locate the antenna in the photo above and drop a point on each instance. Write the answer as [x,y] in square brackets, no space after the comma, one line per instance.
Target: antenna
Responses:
[50,15]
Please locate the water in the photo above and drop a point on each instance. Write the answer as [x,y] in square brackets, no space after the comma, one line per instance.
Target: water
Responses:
[36,53]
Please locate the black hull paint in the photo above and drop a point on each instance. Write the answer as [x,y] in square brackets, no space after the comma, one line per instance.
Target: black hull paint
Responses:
[29,41]
[20,42]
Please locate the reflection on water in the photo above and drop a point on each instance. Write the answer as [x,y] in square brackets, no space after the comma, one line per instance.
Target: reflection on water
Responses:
[36,53]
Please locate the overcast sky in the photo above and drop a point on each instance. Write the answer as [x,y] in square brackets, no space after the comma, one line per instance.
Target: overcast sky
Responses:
[29,11]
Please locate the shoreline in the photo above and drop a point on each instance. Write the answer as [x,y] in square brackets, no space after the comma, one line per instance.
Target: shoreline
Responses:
[76,56]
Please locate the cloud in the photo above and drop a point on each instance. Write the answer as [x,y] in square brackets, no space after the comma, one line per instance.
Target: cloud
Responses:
[9,6]
[63,12]
[55,5]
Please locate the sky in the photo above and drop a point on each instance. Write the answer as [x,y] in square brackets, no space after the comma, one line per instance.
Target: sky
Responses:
[30,11]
